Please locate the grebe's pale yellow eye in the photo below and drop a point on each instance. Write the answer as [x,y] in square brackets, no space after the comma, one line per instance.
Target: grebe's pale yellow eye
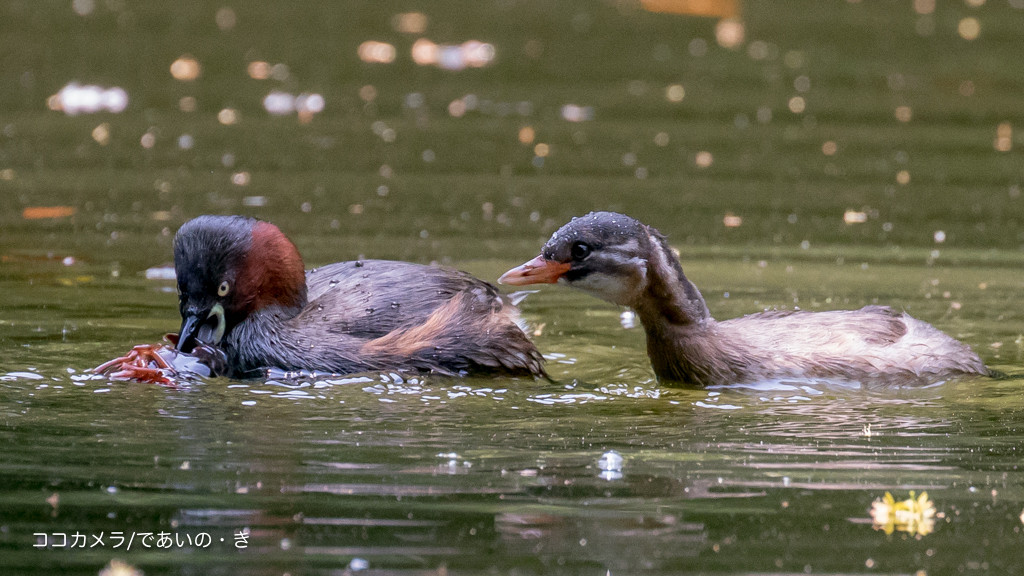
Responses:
[223,289]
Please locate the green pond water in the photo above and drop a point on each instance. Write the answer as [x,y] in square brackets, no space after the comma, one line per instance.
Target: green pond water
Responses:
[892,115]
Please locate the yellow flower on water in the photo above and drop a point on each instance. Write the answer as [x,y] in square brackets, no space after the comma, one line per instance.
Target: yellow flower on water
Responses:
[915,515]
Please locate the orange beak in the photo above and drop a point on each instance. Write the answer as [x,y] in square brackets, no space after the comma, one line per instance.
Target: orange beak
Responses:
[536,271]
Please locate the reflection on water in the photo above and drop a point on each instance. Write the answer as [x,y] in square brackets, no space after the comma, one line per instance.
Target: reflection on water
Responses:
[816,155]
[915,515]
[74,99]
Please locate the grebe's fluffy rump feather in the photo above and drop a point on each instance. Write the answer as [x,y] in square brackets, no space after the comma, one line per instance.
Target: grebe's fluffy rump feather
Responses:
[873,343]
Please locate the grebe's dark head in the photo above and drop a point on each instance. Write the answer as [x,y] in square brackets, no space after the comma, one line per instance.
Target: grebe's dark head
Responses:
[603,253]
[228,267]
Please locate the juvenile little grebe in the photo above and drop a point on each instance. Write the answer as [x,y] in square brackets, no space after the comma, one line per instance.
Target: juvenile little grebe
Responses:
[243,289]
[618,259]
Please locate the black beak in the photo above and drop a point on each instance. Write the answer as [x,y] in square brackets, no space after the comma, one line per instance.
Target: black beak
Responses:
[206,327]
[187,334]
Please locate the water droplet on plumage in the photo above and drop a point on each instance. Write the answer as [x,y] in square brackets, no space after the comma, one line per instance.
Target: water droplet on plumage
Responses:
[332,283]
[359,264]
[395,304]
[370,310]
[319,307]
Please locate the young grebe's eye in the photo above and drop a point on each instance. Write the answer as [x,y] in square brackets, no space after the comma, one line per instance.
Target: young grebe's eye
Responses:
[580,251]
[223,289]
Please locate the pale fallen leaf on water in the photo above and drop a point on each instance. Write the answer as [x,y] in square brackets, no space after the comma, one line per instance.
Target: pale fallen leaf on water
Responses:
[43,212]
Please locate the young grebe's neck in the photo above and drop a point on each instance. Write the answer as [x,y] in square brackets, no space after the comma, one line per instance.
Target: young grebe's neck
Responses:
[669,300]
[681,339]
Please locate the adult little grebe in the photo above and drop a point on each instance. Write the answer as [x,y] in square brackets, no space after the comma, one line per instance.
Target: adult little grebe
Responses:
[618,259]
[243,289]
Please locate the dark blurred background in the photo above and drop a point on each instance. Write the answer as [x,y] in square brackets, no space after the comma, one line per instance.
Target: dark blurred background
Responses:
[882,129]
